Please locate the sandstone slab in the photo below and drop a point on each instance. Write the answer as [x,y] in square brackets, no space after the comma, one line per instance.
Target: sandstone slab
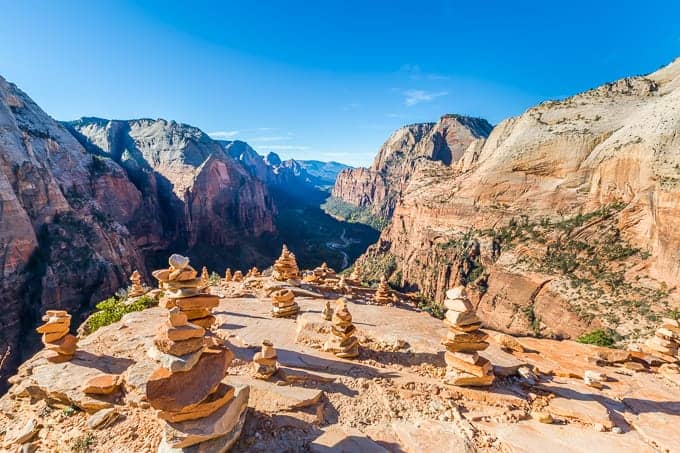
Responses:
[344,440]
[431,436]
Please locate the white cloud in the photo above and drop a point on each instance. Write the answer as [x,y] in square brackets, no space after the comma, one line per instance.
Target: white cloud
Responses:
[223,135]
[415,73]
[414,97]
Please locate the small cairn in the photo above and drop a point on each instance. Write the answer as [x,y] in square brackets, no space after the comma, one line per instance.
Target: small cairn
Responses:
[188,386]
[137,288]
[666,341]
[253,272]
[464,365]
[355,276]
[285,268]
[238,276]
[284,304]
[342,341]
[205,277]
[61,345]
[327,311]
[184,290]
[341,286]
[264,362]
[227,275]
[382,295]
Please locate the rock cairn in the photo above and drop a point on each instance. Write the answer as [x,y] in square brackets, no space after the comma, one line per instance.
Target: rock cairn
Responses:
[284,304]
[382,295]
[238,276]
[205,277]
[253,272]
[464,366]
[666,340]
[60,344]
[264,362]
[193,403]
[342,341]
[328,311]
[227,275]
[355,276]
[286,268]
[183,290]
[137,288]
[341,286]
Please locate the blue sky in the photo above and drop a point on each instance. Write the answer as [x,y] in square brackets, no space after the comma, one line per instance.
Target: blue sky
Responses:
[322,79]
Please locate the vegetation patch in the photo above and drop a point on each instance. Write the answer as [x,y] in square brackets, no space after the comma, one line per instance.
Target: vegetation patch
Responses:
[599,337]
[113,309]
[353,214]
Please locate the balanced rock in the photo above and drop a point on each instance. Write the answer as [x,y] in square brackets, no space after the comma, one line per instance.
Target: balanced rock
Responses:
[264,362]
[342,341]
[464,366]
[56,337]
[137,288]
[285,267]
[284,304]
[382,295]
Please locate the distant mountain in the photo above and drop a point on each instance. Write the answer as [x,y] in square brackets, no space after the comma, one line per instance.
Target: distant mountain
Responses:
[326,172]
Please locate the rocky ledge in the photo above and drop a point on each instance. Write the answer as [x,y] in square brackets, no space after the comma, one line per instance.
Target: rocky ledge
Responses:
[547,395]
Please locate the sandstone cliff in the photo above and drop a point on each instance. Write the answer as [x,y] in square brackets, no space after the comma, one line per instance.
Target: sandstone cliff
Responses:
[379,188]
[565,217]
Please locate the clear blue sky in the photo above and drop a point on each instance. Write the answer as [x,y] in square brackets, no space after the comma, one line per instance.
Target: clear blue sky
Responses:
[322,79]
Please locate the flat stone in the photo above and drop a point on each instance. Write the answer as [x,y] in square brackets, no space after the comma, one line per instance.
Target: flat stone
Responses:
[55,324]
[466,347]
[586,411]
[65,346]
[177,318]
[431,436]
[476,366]
[184,332]
[175,363]
[103,384]
[508,342]
[178,348]
[504,364]
[613,355]
[225,421]
[53,337]
[457,292]
[460,378]
[198,302]
[266,396]
[102,418]
[24,434]
[459,305]
[206,322]
[336,439]
[462,319]
[173,391]
[462,328]
[214,401]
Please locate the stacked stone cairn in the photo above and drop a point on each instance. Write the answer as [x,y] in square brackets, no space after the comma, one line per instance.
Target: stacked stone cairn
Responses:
[355,276]
[238,276]
[666,341]
[195,406]
[382,295]
[342,341]
[463,364]
[205,277]
[284,305]
[227,275]
[60,344]
[184,290]
[137,288]
[341,286]
[264,362]
[285,267]
[328,311]
[253,272]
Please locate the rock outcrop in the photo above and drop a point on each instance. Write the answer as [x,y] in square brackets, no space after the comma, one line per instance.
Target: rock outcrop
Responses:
[553,214]
[379,188]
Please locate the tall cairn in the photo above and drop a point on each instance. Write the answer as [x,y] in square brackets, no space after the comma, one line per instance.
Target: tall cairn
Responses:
[342,341]
[355,275]
[193,403]
[666,341]
[60,344]
[286,268]
[382,295]
[227,275]
[464,366]
[182,289]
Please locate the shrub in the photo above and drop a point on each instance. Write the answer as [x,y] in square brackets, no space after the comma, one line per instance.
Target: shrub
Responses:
[113,309]
[598,337]
[83,443]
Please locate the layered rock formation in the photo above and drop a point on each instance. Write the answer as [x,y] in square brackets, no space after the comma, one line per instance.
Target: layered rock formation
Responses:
[563,219]
[379,188]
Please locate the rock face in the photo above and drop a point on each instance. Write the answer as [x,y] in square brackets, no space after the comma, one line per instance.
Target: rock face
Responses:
[380,187]
[195,196]
[63,221]
[550,216]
